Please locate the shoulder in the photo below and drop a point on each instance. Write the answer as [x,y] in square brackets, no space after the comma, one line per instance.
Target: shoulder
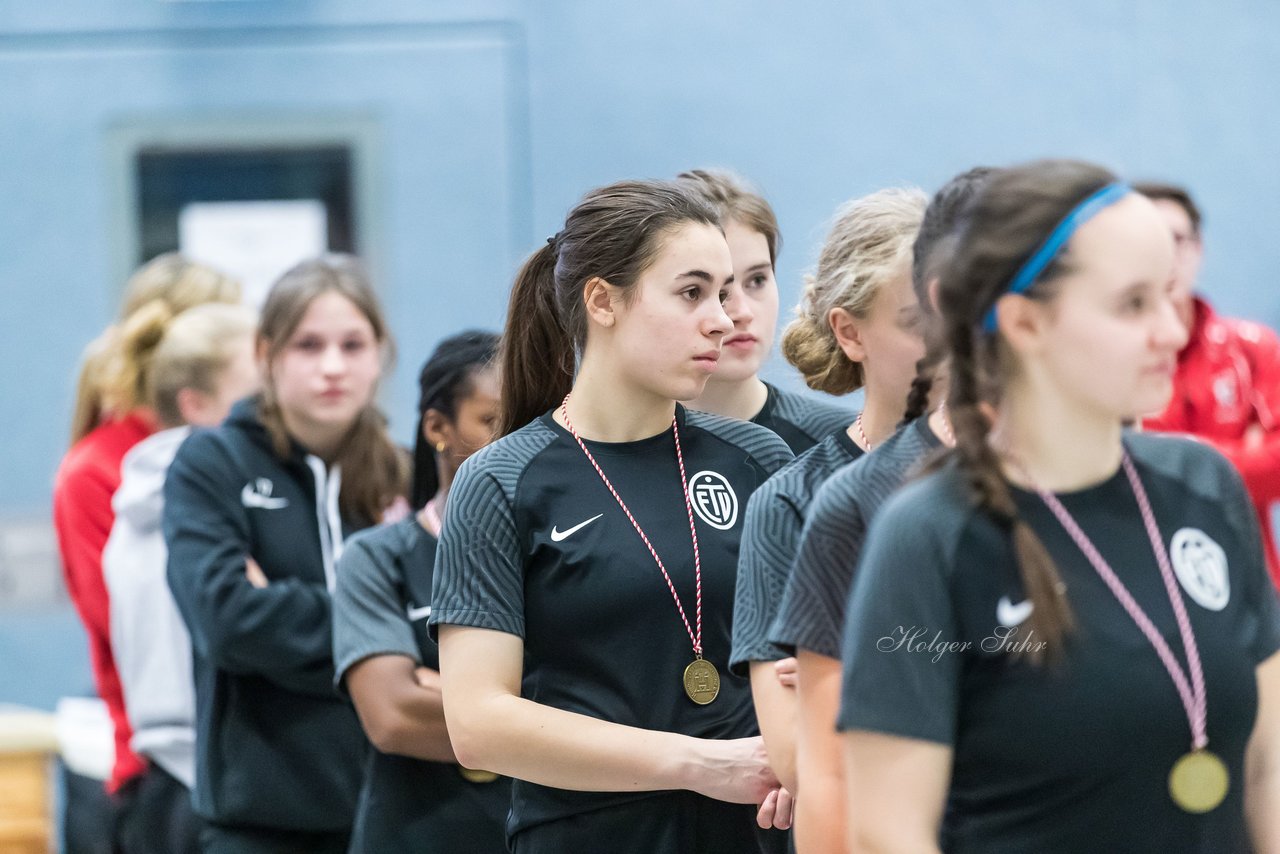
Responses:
[802,477]
[1197,465]
[384,543]
[812,415]
[760,443]
[489,478]
[934,508]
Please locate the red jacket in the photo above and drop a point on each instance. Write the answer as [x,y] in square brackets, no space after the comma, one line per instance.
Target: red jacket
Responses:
[87,479]
[1227,392]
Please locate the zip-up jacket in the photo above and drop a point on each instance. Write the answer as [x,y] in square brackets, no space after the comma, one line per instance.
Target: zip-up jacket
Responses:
[1226,391]
[276,746]
[150,642]
[87,479]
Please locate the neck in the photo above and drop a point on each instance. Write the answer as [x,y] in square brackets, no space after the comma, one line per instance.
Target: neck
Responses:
[444,477]
[605,410]
[880,416]
[322,440]
[743,399]
[1060,445]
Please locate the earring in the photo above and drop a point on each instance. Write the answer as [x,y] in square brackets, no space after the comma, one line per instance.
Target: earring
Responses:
[439,447]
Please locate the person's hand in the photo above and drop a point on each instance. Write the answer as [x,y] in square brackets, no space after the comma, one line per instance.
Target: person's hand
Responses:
[788,671]
[254,573]
[776,810]
[734,770]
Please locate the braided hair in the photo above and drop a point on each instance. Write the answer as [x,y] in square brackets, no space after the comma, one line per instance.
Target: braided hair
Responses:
[1007,222]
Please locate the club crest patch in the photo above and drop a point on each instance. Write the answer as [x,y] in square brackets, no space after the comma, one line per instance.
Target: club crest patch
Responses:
[1201,567]
[713,499]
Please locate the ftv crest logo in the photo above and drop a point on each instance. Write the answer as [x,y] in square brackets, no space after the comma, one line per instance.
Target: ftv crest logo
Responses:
[713,499]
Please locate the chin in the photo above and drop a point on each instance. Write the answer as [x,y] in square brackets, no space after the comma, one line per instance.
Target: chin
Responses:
[731,370]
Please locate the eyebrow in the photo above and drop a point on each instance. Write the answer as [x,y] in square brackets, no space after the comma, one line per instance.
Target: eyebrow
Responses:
[763,265]
[704,276]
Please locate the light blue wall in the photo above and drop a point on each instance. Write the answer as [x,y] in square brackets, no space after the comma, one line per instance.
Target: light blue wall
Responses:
[489,119]
[492,117]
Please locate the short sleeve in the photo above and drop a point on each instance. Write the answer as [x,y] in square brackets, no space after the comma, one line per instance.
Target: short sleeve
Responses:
[1257,580]
[811,615]
[770,535]
[895,681]
[479,571]
[368,616]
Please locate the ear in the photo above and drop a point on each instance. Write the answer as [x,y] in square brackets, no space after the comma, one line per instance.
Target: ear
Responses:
[931,291]
[193,406]
[599,297]
[848,333]
[261,352]
[1022,321]
[436,429]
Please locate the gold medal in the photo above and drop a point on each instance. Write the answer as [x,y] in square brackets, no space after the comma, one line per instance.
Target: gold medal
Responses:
[475,775]
[1198,781]
[701,681]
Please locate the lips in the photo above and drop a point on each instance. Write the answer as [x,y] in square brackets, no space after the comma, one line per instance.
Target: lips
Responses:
[740,342]
[708,359]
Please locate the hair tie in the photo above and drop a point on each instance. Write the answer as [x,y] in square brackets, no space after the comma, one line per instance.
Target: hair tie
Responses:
[1042,257]
[554,240]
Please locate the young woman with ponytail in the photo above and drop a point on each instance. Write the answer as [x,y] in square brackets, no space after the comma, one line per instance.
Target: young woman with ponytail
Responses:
[1063,639]
[584,579]
[111,416]
[256,514]
[416,798]
[735,389]
[810,617]
[857,326]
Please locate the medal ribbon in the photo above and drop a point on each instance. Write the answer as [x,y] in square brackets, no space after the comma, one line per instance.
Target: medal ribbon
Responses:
[696,638]
[1192,693]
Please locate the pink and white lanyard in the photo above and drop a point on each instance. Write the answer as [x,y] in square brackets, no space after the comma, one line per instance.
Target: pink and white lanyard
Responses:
[1191,691]
[696,638]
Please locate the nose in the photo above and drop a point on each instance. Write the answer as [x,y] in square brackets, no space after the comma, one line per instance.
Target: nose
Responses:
[737,307]
[717,321]
[1169,331]
[333,361]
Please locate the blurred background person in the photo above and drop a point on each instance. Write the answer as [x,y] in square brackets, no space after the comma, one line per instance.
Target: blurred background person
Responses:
[416,798]
[202,365]
[1227,386]
[256,513]
[857,327]
[735,389]
[111,416]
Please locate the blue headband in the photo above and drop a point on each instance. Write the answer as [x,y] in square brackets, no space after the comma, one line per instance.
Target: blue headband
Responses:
[1034,266]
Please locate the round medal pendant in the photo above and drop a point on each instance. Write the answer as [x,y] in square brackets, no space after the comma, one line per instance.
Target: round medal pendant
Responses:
[1198,781]
[701,681]
[475,775]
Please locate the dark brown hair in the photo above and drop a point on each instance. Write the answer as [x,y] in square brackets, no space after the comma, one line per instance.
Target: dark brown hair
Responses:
[1159,191]
[1011,217]
[373,470]
[614,233]
[929,255]
[735,199]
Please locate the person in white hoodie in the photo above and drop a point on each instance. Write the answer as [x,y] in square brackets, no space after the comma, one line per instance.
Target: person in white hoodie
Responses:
[203,364]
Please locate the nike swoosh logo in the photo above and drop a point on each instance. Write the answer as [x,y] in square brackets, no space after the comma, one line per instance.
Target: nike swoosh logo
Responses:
[557,536]
[1010,614]
[419,613]
[249,498]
